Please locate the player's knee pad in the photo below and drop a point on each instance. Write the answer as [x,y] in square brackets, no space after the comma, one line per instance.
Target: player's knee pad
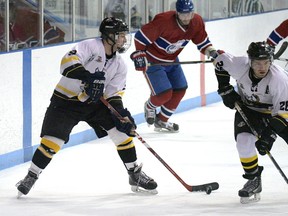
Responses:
[121,140]
[50,145]
[245,143]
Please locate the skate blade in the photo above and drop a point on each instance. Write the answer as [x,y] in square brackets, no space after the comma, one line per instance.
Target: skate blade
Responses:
[19,195]
[142,191]
[163,130]
[254,198]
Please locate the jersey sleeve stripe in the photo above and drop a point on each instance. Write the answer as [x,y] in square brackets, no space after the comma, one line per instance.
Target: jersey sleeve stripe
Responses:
[70,59]
[141,38]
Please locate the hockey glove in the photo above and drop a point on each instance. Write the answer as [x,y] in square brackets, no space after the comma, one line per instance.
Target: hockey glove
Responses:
[94,86]
[265,142]
[127,124]
[229,96]
[140,60]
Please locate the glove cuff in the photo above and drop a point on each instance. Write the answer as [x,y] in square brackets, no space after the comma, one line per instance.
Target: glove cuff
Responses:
[225,90]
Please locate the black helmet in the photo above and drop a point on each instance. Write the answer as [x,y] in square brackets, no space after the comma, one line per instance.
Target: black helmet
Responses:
[112,25]
[260,51]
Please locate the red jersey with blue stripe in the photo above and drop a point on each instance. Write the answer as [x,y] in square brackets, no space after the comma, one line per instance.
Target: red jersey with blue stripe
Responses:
[279,33]
[164,38]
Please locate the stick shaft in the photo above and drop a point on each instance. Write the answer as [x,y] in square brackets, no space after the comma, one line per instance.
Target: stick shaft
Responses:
[282,59]
[177,63]
[281,50]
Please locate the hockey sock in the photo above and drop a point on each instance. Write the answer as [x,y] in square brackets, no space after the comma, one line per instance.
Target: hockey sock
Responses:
[170,106]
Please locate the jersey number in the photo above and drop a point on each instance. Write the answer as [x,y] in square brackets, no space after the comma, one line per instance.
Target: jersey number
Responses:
[284,105]
[219,66]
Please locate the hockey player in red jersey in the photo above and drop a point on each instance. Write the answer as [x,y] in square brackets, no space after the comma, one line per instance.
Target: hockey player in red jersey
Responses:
[92,68]
[263,97]
[278,34]
[162,40]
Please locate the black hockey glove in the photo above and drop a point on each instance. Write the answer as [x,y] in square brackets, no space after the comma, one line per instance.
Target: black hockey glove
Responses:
[140,60]
[265,142]
[229,96]
[127,124]
[94,86]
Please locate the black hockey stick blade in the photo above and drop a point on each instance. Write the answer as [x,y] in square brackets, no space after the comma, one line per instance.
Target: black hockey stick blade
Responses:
[205,187]
[281,50]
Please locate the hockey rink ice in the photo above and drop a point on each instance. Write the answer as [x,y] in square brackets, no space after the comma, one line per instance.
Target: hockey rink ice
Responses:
[89,179]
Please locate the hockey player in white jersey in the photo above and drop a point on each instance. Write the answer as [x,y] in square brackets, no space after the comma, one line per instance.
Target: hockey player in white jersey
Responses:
[263,96]
[93,68]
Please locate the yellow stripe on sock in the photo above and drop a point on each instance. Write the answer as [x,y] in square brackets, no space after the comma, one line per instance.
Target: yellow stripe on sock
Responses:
[50,144]
[126,144]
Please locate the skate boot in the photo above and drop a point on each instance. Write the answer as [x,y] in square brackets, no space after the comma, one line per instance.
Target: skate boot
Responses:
[150,114]
[25,185]
[140,182]
[161,126]
[251,190]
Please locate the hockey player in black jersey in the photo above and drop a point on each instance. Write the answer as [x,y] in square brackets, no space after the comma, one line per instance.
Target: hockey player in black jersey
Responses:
[92,69]
[263,96]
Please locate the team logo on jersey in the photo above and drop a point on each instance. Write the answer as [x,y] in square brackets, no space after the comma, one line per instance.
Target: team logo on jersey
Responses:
[254,88]
[72,52]
[252,99]
[99,59]
[91,58]
[255,98]
[172,48]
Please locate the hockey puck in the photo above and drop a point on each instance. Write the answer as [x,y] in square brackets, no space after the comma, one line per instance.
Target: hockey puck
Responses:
[208,190]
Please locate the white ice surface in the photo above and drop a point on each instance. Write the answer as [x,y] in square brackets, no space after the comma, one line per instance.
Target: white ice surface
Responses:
[90,179]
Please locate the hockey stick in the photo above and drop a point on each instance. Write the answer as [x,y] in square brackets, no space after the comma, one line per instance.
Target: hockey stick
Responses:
[276,57]
[177,63]
[244,117]
[281,50]
[192,188]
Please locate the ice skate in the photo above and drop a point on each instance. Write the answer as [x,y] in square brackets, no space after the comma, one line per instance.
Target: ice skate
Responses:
[150,115]
[251,190]
[161,126]
[140,182]
[25,185]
